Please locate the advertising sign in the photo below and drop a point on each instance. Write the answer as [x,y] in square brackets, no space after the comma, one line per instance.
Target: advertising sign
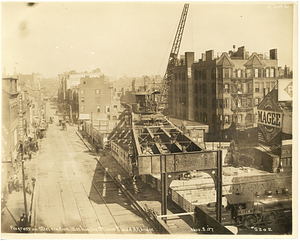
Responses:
[269,118]
[285,89]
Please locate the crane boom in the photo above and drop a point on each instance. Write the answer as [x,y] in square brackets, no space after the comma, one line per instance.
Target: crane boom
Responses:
[163,103]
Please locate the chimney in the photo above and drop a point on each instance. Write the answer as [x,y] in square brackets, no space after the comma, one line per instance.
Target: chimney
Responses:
[203,57]
[273,54]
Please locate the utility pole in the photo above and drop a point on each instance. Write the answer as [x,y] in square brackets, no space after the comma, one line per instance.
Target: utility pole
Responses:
[21,136]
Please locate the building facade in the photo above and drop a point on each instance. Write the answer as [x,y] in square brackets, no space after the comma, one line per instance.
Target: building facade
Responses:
[223,89]
[97,100]
[10,137]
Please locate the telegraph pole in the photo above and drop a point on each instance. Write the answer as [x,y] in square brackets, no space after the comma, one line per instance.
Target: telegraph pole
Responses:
[21,136]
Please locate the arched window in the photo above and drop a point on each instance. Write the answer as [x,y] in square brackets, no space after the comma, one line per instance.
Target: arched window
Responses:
[204,74]
[204,89]
[196,89]
[196,74]
[199,88]
[204,102]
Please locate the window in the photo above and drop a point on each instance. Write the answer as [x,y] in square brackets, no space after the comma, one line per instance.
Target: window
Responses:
[196,74]
[256,87]
[219,73]
[195,88]
[267,73]
[82,108]
[249,88]
[179,76]
[115,107]
[196,102]
[199,74]
[175,75]
[244,102]
[256,73]
[226,103]
[201,116]
[97,91]
[249,102]
[200,88]
[200,101]
[226,119]
[82,99]
[204,74]
[256,101]
[82,92]
[239,118]
[248,73]
[272,74]
[98,108]
[226,88]
[239,73]
[226,73]
[204,102]
[204,89]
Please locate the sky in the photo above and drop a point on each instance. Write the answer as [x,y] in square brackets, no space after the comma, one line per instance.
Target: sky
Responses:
[135,38]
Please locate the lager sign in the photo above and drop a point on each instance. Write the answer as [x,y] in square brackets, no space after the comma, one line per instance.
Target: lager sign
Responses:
[269,118]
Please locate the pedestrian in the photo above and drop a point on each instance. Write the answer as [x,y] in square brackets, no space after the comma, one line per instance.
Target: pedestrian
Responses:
[10,185]
[22,222]
[17,184]
[28,188]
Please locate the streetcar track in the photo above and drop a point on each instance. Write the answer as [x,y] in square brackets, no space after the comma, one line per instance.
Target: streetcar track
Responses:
[97,190]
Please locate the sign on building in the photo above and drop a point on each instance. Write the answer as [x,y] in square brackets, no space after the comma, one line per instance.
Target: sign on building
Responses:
[269,118]
[285,89]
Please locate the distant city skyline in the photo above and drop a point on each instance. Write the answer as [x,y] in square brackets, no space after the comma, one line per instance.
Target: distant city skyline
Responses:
[135,38]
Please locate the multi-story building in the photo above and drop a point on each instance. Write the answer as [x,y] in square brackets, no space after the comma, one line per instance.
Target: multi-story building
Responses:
[223,89]
[68,94]
[10,137]
[97,100]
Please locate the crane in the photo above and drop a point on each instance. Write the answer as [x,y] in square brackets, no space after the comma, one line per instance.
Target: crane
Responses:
[163,101]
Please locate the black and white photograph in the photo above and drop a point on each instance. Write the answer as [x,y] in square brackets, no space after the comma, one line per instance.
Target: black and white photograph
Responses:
[149,119]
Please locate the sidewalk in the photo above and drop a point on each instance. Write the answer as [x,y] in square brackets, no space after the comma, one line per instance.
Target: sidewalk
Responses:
[15,200]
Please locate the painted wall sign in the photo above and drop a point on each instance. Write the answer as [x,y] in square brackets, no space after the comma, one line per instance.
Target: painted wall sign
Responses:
[269,118]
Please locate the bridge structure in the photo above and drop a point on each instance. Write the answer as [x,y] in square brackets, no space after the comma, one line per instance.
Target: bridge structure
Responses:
[156,146]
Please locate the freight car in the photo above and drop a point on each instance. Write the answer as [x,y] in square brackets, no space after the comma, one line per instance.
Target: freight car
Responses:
[251,210]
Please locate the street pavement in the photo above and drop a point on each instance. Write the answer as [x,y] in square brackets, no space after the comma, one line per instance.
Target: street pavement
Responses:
[73,193]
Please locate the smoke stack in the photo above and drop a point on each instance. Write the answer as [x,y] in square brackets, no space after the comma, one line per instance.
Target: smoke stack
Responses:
[233,48]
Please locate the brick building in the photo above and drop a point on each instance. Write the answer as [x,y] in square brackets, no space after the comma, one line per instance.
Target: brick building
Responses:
[97,99]
[217,90]
[10,130]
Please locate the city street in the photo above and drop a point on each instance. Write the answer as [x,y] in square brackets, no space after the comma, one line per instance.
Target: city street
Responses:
[73,193]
